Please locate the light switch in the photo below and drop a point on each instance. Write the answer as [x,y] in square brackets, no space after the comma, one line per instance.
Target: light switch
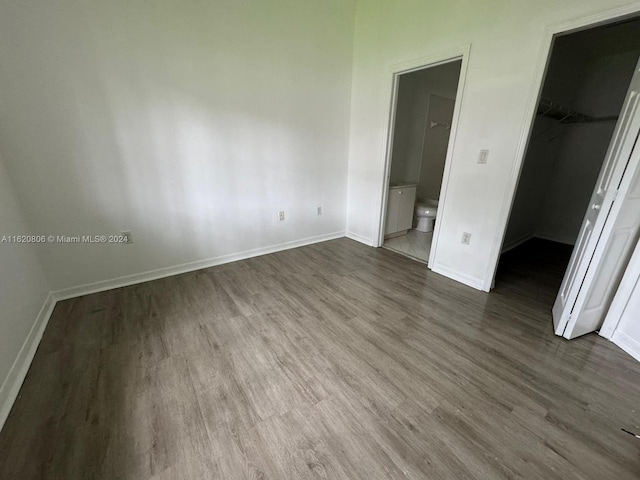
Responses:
[484,156]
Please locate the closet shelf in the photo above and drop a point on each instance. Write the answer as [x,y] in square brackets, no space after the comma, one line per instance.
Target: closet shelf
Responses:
[550,109]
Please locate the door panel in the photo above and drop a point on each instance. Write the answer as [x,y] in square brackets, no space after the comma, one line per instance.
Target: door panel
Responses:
[393,207]
[572,271]
[593,238]
[624,224]
[604,286]
[406,208]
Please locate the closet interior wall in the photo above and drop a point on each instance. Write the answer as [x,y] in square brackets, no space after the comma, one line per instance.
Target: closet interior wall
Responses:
[587,77]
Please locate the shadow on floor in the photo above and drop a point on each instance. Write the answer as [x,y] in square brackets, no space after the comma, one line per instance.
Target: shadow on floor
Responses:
[534,268]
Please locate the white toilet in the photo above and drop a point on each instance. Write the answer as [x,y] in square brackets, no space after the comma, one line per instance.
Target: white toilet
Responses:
[425,213]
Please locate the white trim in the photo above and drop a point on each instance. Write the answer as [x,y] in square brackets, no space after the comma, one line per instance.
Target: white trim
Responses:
[387,152]
[628,344]
[127,280]
[360,238]
[457,276]
[556,238]
[433,60]
[534,92]
[18,371]
[515,243]
[451,55]
[446,176]
[525,238]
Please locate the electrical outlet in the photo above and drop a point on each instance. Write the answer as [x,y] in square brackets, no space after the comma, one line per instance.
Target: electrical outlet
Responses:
[466,238]
[319,211]
[127,234]
[281,216]
[484,157]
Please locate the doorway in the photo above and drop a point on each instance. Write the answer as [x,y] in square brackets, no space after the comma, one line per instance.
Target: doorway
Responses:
[585,86]
[422,124]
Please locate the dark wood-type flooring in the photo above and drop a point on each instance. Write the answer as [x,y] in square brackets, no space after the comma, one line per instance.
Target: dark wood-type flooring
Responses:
[334,361]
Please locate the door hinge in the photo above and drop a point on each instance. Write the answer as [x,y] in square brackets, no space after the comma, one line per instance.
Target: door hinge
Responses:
[615,195]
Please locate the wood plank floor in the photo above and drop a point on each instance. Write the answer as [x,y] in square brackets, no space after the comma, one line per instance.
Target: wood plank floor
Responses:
[334,361]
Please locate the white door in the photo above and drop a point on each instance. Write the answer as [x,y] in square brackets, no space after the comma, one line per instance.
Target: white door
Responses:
[621,325]
[585,291]
[393,207]
[615,250]
[626,303]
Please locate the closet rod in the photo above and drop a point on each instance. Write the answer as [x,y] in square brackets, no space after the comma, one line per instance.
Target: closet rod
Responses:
[548,108]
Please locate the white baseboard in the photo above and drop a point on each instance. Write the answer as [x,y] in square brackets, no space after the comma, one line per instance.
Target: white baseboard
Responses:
[515,243]
[360,238]
[457,276]
[127,280]
[18,371]
[556,238]
[626,343]
[552,238]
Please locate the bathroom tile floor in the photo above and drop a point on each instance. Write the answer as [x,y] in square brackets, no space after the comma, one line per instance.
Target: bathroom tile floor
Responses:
[414,244]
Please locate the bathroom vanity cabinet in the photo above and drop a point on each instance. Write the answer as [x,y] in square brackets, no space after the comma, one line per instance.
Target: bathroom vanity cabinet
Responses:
[400,204]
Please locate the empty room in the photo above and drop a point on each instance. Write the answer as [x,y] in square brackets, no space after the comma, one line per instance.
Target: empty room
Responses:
[338,239]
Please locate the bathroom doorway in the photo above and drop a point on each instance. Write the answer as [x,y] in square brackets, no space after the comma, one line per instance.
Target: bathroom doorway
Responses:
[585,87]
[424,112]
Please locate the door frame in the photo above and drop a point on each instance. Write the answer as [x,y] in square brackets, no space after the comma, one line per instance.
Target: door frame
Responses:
[535,91]
[452,55]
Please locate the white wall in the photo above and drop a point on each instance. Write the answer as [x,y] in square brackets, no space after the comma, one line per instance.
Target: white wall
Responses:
[189,123]
[572,180]
[436,144]
[599,92]
[507,39]
[407,137]
[23,291]
[412,106]
[527,211]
